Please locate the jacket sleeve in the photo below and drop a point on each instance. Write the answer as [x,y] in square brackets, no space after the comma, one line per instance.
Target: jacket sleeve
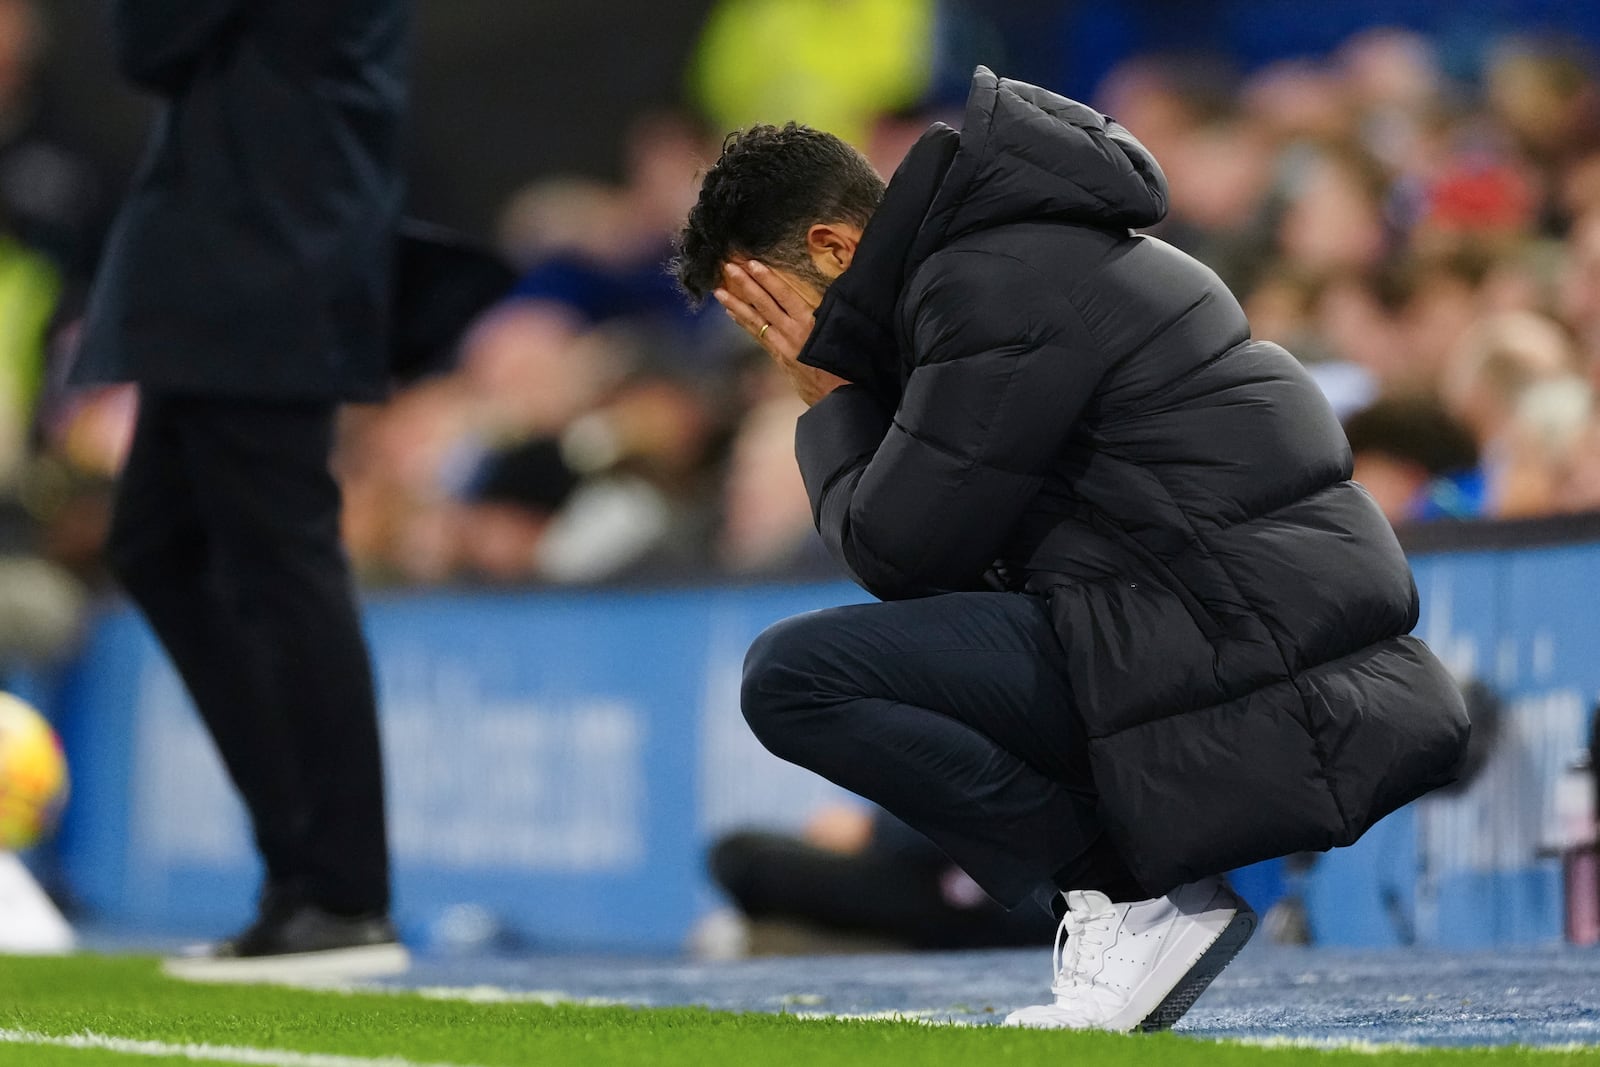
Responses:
[925,501]
[159,42]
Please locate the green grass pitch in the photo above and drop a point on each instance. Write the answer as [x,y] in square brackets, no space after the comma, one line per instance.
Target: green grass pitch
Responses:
[121,1010]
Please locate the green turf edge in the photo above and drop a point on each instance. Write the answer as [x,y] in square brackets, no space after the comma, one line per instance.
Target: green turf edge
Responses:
[70,1057]
[127,997]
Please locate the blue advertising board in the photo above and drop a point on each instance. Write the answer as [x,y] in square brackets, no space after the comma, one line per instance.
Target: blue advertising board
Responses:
[555,760]
[558,762]
[1473,866]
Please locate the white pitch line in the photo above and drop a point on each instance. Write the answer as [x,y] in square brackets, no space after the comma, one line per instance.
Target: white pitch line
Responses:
[255,1057]
[491,994]
[1380,1048]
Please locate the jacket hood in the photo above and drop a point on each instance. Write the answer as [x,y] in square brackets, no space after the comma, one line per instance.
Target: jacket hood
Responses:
[1028,153]
[1023,153]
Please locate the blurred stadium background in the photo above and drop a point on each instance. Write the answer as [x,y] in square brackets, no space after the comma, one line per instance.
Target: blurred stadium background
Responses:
[570,539]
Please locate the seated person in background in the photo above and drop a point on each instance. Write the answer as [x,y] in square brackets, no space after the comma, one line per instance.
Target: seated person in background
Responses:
[859,878]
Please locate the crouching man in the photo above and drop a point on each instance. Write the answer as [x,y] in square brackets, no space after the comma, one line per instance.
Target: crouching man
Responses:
[1138,625]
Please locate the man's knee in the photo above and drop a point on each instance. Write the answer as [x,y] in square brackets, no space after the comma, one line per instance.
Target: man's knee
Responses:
[780,679]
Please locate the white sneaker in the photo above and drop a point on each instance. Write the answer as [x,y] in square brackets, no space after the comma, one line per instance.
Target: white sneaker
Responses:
[1139,966]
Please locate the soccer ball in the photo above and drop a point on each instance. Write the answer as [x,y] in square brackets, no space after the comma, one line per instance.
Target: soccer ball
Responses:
[33,775]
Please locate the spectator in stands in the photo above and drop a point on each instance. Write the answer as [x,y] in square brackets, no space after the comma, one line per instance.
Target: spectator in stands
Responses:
[1222,171]
[527,371]
[766,517]
[401,466]
[1301,104]
[1537,452]
[1333,218]
[1580,487]
[1391,77]
[893,133]
[1437,299]
[1496,362]
[1167,97]
[1487,385]
[613,269]
[1579,291]
[1544,94]
[509,506]
[643,508]
[559,217]
[1416,460]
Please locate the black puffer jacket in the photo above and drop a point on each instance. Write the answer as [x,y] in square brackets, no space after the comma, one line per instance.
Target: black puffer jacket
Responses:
[1050,403]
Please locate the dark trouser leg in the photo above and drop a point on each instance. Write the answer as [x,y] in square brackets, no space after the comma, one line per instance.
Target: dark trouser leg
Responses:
[248,589]
[950,712]
[162,553]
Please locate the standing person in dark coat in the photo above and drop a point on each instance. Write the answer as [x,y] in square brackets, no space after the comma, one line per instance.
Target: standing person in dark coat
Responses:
[1139,627]
[245,287]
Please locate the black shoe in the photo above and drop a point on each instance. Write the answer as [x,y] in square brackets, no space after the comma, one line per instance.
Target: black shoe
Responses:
[299,943]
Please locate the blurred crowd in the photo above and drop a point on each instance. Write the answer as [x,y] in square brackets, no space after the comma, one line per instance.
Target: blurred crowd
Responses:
[1429,248]
[1428,245]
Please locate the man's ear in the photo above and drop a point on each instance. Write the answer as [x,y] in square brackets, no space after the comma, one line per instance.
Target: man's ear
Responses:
[832,246]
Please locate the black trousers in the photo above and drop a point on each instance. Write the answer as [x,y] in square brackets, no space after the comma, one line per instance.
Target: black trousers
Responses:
[953,714]
[914,896]
[226,535]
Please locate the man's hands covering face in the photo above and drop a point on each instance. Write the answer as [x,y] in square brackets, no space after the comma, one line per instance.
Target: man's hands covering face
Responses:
[779,316]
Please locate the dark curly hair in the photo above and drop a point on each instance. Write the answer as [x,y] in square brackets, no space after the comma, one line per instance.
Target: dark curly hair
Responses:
[770,186]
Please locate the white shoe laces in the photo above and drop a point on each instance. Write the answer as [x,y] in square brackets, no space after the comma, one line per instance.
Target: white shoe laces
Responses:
[1080,939]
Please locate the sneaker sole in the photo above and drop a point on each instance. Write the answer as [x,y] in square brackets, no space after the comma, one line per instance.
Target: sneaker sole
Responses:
[301,968]
[1206,967]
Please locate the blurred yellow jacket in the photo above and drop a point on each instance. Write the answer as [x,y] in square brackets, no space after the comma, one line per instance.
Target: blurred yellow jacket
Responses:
[29,288]
[831,64]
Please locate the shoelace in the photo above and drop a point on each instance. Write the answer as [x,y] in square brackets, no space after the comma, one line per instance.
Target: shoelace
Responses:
[1072,961]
